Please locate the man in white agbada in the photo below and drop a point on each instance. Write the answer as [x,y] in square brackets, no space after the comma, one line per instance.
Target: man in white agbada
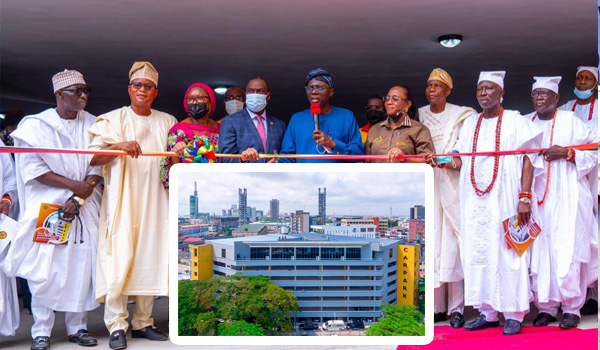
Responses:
[585,108]
[492,190]
[559,254]
[60,277]
[9,303]
[444,121]
[132,250]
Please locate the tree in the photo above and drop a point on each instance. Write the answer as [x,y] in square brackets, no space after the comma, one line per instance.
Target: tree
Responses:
[399,320]
[422,295]
[253,299]
[240,328]
[206,323]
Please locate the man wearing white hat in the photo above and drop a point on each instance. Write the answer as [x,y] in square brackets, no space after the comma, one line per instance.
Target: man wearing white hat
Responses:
[60,277]
[133,258]
[559,254]
[585,108]
[444,120]
[492,189]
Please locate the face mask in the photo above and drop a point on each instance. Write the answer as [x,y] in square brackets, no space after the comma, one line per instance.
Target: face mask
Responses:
[583,94]
[395,118]
[375,116]
[197,110]
[233,106]
[256,102]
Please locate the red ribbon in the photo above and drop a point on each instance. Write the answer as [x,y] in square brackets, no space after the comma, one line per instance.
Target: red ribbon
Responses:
[6,149]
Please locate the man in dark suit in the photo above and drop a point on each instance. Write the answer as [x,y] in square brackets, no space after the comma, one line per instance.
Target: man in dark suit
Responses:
[251,131]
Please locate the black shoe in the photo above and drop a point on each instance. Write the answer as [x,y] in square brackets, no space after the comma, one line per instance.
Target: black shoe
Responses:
[457,320]
[439,317]
[480,323]
[40,343]
[83,338]
[569,321]
[511,327]
[543,319]
[150,333]
[590,307]
[117,340]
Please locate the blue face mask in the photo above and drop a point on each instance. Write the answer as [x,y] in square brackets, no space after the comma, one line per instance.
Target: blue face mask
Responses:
[256,102]
[583,94]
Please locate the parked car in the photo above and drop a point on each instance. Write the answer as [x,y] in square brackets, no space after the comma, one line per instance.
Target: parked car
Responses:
[356,325]
[308,327]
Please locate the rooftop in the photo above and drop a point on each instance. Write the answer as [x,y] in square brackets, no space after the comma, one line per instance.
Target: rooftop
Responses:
[306,237]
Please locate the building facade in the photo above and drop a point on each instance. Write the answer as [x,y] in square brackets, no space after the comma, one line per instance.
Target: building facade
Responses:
[416,229]
[274,210]
[300,221]
[322,206]
[331,276]
[365,231]
[417,212]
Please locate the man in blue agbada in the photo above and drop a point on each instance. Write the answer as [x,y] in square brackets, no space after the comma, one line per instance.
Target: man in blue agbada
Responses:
[338,131]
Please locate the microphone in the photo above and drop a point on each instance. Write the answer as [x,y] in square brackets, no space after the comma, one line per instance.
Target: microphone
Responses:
[315,110]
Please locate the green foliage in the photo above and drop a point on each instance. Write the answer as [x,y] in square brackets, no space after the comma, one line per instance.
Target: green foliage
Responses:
[206,323]
[253,299]
[399,320]
[393,223]
[240,328]
[422,295]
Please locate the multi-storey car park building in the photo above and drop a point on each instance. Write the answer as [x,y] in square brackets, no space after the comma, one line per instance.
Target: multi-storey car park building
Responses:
[333,277]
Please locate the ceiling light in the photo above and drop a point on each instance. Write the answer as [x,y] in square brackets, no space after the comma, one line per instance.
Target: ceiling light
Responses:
[221,89]
[450,40]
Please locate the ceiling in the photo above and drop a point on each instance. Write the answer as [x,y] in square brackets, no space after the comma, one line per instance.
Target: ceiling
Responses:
[367,46]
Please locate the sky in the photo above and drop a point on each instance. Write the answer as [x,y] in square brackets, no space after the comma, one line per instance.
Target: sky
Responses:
[367,193]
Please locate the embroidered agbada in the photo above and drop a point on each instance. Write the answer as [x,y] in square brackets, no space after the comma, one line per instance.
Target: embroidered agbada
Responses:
[566,216]
[132,245]
[9,303]
[493,274]
[583,113]
[444,128]
[60,277]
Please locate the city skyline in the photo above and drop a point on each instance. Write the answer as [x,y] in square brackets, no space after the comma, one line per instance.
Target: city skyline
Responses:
[367,193]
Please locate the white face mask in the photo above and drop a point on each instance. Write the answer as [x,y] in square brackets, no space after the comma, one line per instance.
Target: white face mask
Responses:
[233,106]
[256,102]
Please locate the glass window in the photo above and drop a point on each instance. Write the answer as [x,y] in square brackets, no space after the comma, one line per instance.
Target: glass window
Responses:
[259,253]
[353,253]
[332,253]
[282,253]
[223,253]
[307,253]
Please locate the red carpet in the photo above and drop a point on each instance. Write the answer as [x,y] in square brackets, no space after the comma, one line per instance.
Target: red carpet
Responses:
[546,338]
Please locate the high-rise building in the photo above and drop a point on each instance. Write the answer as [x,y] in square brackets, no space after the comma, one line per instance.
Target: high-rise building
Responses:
[322,206]
[332,277]
[417,212]
[416,229]
[194,202]
[300,221]
[274,213]
[243,196]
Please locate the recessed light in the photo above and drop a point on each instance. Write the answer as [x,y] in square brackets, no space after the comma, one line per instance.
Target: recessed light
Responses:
[221,89]
[450,40]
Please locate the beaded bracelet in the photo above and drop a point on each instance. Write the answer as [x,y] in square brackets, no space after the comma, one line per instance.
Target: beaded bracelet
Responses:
[525,195]
[7,199]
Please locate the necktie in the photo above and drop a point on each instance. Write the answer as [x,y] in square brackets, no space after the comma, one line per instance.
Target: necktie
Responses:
[262,132]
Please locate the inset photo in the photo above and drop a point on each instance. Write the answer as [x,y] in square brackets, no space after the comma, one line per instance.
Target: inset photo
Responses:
[293,255]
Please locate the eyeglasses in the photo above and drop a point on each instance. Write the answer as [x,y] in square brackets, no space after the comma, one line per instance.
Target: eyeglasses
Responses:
[147,86]
[394,98]
[197,98]
[543,93]
[319,88]
[78,91]
[237,97]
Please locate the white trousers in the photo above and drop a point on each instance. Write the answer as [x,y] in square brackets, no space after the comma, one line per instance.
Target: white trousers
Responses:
[116,313]
[491,315]
[43,320]
[569,305]
[453,302]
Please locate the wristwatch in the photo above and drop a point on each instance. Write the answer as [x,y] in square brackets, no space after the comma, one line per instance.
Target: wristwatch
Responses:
[525,200]
[80,201]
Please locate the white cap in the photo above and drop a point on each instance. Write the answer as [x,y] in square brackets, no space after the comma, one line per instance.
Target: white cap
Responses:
[593,70]
[495,77]
[550,83]
[66,78]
